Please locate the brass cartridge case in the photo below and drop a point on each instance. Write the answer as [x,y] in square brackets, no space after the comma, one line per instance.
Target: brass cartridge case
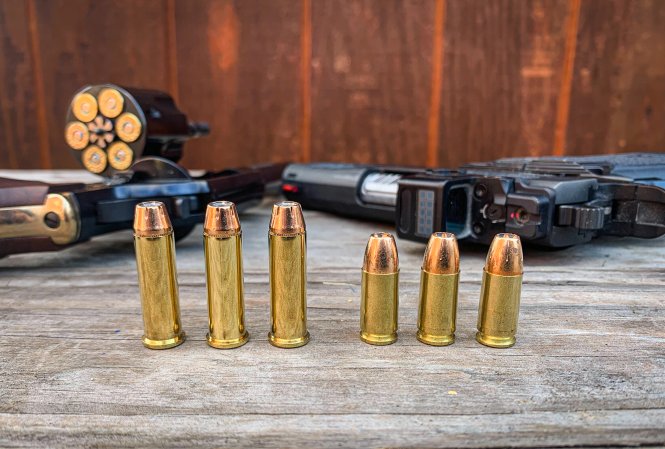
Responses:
[77,135]
[499,306]
[224,277]
[94,159]
[111,102]
[158,284]
[288,302]
[379,291]
[84,107]
[128,127]
[439,280]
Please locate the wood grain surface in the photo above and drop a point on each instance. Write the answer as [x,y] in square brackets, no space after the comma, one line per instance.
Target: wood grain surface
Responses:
[415,82]
[19,128]
[617,84]
[371,70]
[239,69]
[588,369]
[502,75]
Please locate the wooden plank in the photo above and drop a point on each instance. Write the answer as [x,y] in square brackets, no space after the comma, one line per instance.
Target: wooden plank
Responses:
[371,80]
[85,42]
[588,368]
[544,429]
[239,69]
[19,130]
[502,74]
[618,96]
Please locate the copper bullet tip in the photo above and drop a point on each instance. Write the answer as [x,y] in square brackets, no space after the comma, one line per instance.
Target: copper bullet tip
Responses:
[151,219]
[221,220]
[381,254]
[441,254]
[287,219]
[505,255]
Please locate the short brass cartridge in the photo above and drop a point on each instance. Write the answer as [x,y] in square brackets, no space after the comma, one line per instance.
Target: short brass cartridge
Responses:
[288,254]
[224,277]
[439,280]
[379,291]
[499,306]
[158,284]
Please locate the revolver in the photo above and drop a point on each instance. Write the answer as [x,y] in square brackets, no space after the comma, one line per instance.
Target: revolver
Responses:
[548,201]
[133,138]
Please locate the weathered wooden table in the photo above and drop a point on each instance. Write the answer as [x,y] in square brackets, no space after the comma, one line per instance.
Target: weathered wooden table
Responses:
[588,368]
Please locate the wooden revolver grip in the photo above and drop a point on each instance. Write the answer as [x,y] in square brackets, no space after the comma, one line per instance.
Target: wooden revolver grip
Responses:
[16,192]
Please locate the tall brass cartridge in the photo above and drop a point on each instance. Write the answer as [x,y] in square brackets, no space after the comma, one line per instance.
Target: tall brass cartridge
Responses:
[379,291]
[158,285]
[439,280]
[288,302]
[500,292]
[224,277]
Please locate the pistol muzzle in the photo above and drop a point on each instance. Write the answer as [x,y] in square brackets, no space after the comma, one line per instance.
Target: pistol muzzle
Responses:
[158,284]
[499,306]
[224,276]
[288,279]
[439,280]
[379,291]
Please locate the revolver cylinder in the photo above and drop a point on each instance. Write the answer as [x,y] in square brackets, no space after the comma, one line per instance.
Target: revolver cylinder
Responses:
[158,284]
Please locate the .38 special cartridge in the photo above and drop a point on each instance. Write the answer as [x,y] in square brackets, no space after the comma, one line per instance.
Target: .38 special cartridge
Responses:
[288,277]
[222,243]
[158,284]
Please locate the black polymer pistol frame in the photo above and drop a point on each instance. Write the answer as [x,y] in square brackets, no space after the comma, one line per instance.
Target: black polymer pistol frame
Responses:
[555,202]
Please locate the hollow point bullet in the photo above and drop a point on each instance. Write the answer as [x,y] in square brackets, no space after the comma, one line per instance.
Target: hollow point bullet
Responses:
[498,310]
[222,242]
[439,280]
[158,285]
[379,291]
[288,254]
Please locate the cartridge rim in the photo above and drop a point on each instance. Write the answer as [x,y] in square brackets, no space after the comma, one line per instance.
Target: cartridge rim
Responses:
[227,344]
[287,219]
[435,340]
[128,127]
[164,344]
[221,220]
[288,343]
[495,342]
[151,219]
[120,156]
[77,135]
[84,107]
[381,254]
[378,340]
[111,102]
[94,159]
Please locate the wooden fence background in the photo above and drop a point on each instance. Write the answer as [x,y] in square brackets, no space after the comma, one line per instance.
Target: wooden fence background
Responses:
[435,82]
